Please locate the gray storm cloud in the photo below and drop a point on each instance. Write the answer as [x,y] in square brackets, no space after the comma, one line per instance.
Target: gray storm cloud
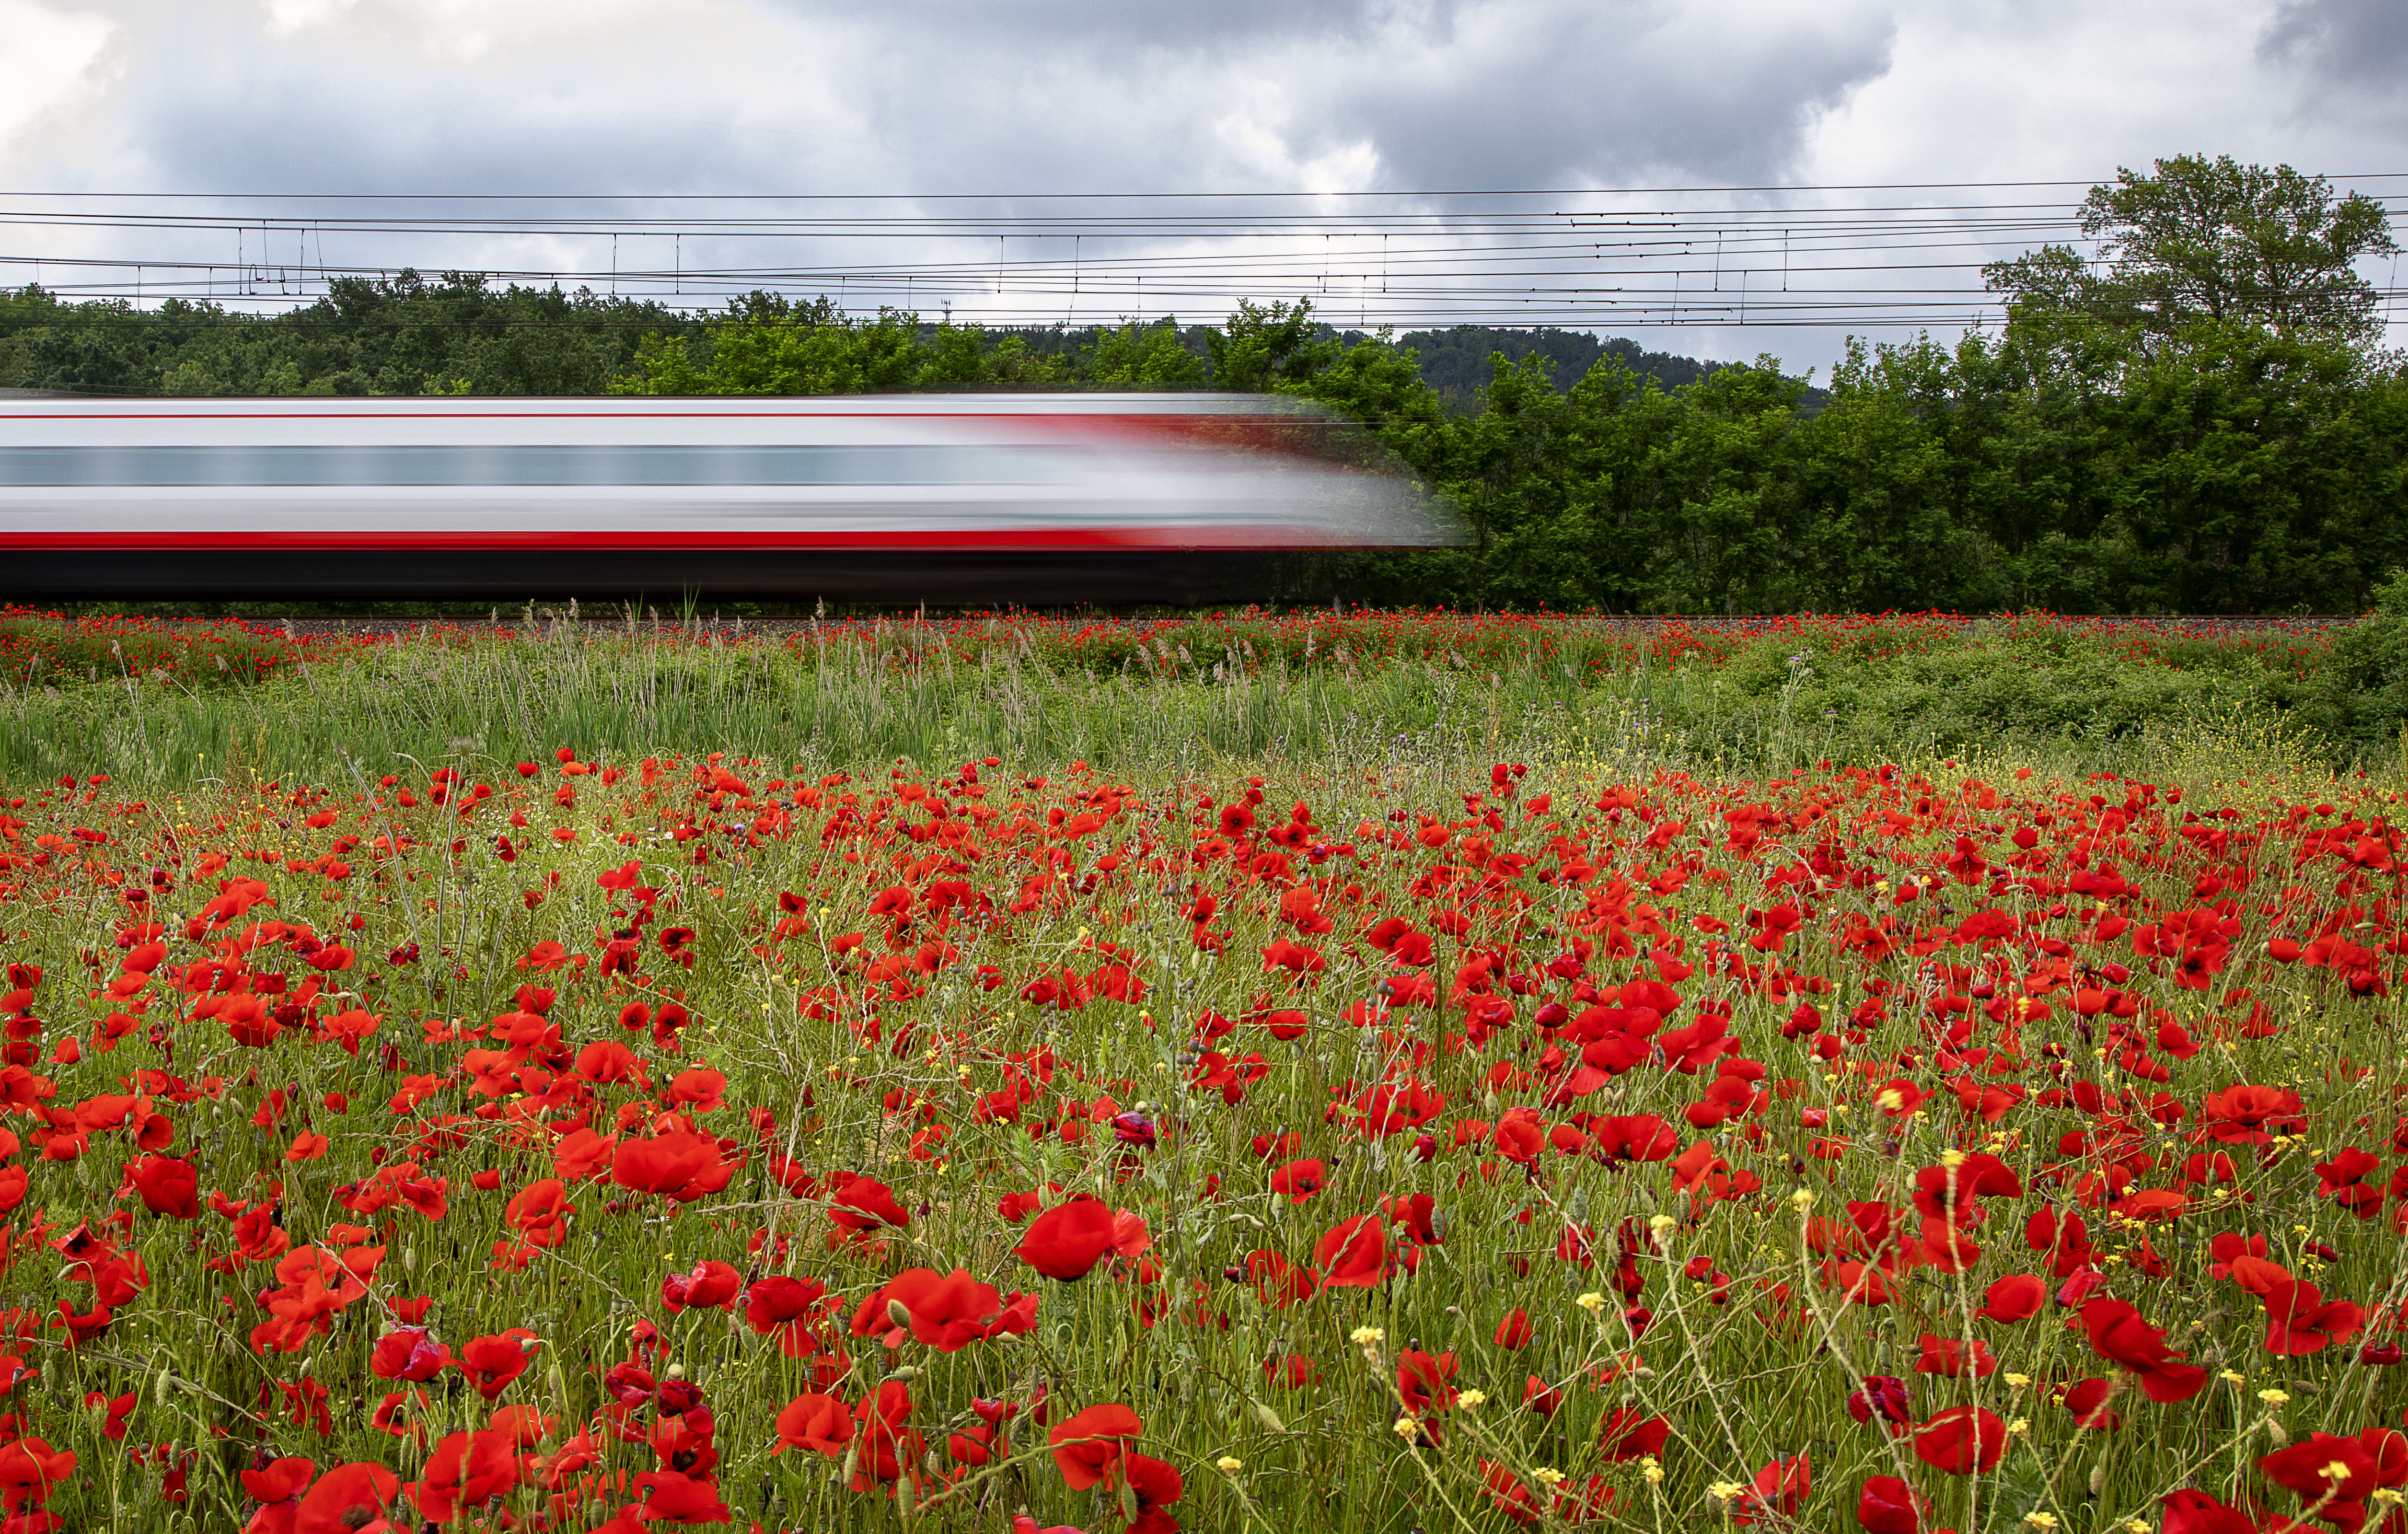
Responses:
[1067,94]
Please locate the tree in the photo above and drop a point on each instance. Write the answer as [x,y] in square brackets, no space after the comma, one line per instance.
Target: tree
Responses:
[1141,356]
[2217,242]
[1263,347]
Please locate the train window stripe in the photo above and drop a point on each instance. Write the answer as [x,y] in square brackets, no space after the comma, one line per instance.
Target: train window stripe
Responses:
[605,464]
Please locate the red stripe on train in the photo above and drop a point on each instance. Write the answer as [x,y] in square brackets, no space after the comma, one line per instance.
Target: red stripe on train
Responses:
[934,539]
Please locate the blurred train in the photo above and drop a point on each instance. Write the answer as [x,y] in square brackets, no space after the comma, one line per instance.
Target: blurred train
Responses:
[966,498]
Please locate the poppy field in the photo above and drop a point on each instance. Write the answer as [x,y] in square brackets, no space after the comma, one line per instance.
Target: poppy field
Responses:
[596,1142]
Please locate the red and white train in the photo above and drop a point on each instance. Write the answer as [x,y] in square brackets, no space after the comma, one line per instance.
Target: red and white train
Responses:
[1022,498]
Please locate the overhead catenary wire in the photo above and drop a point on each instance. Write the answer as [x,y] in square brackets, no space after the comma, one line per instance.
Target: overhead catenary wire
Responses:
[1871,255]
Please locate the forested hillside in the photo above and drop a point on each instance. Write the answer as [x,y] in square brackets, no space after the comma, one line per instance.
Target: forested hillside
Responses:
[412,335]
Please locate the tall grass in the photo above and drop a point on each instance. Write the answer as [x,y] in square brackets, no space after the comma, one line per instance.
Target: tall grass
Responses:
[855,697]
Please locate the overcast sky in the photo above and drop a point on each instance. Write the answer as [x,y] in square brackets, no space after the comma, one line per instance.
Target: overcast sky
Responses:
[636,96]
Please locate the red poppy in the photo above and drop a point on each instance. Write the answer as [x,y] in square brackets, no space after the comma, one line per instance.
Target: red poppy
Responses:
[1425,1382]
[1625,1434]
[884,1444]
[864,1204]
[2338,1473]
[1515,1330]
[673,1498]
[2193,1512]
[2118,1335]
[277,1487]
[1290,1371]
[820,1423]
[2299,1320]
[1951,1356]
[408,1352]
[2087,1400]
[1775,1491]
[30,1471]
[1540,1396]
[791,1307]
[1352,1253]
[1962,1441]
[347,1499]
[540,1214]
[2019,1297]
[1298,1180]
[1069,1240]
[953,1311]
[1887,1505]
[1152,1487]
[167,1187]
[1087,1447]
[491,1362]
[465,1471]
[713,1286]
[680,1165]
[1882,1396]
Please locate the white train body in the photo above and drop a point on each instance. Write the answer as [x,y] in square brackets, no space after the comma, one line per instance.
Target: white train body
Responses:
[943,496]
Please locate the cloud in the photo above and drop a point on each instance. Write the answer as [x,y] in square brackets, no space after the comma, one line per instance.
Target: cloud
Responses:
[935,97]
[53,61]
[1057,94]
[2360,45]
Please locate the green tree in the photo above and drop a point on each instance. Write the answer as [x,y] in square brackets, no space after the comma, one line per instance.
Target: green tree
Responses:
[2214,241]
[1136,355]
[1264,346]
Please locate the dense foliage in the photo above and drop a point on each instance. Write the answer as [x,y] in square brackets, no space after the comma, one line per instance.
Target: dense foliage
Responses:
[405,334]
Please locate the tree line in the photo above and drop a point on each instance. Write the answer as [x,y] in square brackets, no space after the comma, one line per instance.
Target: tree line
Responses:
[2199,418]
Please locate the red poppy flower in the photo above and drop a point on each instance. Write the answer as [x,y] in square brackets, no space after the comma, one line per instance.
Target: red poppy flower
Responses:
[347,1499]
[1352,1253]
[680,1165]
[465,1471]
[1950,1356]
[1775,1491]
[953,1311]
[1425,1381]
[2299,1320]
[1087,1447]
[1887,1505]
[2019,1297]
[167,1187]
[2346,1469]
[2118,1335]
[1625,1434]
[491,1362]
[820,1423]
[540,1214]
[1298,1180]
[116,1409]
[1515,1330]
[1962,1441]
[1069,1240]
[864,1204]
[672,1497]
[407,1353]
[791,1307]
[276,1486]
[1883,1396]
[1290,1371]
[883,1443]
[713,1286]
[2087,1400]
[1153,1485]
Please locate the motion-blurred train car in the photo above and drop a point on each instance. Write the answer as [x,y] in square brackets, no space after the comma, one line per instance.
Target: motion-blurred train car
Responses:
[994,498]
